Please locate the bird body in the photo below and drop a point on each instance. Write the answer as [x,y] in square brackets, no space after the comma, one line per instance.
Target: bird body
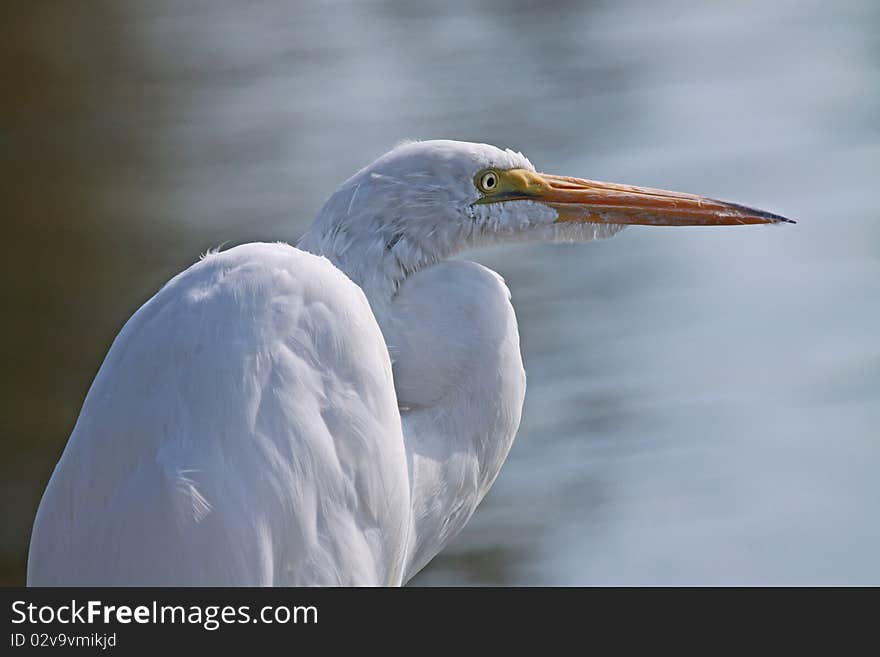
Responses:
[224,437]
[331,413]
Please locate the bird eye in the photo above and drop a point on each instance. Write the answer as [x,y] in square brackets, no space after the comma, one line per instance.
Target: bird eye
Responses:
[488,181]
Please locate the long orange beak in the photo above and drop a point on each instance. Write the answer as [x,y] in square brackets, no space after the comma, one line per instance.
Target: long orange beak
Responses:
[601,202]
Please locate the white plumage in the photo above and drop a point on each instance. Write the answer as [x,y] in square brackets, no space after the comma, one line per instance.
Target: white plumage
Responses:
[247,426]
[225,436]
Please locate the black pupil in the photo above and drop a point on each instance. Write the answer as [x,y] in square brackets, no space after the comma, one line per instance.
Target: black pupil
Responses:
[490,181]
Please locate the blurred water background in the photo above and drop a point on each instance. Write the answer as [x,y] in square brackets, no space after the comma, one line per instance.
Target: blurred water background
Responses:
[703,404]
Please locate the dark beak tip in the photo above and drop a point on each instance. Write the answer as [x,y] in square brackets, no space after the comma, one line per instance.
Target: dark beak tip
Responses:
[770,216]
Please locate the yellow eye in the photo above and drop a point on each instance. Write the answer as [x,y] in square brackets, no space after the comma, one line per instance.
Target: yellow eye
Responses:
[488,181]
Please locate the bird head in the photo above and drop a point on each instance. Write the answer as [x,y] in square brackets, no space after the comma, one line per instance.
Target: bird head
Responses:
[425,201]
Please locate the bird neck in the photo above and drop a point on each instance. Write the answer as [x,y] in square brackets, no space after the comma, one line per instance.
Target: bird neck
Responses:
[454,344]
[453,340]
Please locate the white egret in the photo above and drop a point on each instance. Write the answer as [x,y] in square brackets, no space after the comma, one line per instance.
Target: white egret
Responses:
[329,414]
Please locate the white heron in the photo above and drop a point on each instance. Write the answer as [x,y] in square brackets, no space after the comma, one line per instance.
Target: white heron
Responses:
[330,414]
